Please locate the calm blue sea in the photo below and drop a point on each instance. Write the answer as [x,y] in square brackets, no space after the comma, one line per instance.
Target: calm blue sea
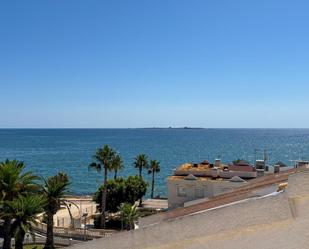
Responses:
[47,151]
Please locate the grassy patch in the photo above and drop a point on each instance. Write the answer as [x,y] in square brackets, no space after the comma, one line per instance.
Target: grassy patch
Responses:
[33,246]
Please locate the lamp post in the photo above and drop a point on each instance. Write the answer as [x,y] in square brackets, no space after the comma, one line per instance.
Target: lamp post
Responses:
[85,220]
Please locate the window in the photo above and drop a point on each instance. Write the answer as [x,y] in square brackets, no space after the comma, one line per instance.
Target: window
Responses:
[199,193]
[181,191]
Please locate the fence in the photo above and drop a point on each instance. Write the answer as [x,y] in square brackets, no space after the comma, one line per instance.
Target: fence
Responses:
[75,233]
[41,241]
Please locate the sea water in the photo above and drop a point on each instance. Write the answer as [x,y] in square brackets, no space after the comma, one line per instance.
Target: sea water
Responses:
[48,151]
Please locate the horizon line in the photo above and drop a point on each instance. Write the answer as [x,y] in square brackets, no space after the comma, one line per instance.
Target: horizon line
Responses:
[125,128]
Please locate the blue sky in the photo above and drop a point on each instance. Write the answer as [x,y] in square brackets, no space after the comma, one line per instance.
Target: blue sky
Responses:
[154,63]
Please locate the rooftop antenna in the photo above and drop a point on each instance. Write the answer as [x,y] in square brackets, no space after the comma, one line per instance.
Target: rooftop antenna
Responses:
[295,163]
[265,155]
[251,158]
[255,155]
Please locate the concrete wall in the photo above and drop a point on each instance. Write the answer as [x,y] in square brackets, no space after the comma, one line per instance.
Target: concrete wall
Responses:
[215,221]
[211,173]
[190,185]
[62,217]
[267,222]
[217,173]
[220,187]
[298,188]
[190,203]
[211,188]
[298,185]
[242,174]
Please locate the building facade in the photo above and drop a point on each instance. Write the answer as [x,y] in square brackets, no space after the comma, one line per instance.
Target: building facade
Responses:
[204,180]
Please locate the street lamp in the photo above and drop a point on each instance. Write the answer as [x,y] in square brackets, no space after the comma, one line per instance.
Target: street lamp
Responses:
[85,220]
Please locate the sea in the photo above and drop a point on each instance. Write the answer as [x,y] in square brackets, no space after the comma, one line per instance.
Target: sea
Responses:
[48,151]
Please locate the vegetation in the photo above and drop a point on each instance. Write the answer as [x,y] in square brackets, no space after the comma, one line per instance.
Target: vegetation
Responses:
[117,165]
[53,190]
[13,184]
[105,158]
[24,210]
[141,162]
[120,191]
[153,169]
[33,247]
[129,215]
[22,197]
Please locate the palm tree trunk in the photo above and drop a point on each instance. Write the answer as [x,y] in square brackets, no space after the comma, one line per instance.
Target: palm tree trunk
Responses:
[104,198]
[49,244]
[131,225]
[20,239]
[115,175]
[140,176]
[140,202]
[7,234]
[152,184]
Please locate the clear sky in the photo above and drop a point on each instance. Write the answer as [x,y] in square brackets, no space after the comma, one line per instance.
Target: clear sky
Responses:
[72,63]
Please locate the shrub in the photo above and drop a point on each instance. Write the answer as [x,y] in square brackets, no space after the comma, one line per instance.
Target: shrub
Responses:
[121,190]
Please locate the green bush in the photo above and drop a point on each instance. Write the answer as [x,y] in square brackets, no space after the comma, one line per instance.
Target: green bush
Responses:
[111,223]
[121,190]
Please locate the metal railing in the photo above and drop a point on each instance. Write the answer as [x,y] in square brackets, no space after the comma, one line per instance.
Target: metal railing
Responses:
[41,241]
[75,233]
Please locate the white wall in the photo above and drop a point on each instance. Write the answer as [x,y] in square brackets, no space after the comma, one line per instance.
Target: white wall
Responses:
[211,188]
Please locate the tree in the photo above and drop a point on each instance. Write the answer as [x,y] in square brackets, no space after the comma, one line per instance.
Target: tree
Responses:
[136,188]
[24,209]
[121,190]
[141,162]
[154,168]
[54,189]
[104,159]
[129,215]
[115,194]
[13,183]
[117,164]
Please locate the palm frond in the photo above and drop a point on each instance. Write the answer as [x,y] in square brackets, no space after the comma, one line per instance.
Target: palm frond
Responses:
[96,166]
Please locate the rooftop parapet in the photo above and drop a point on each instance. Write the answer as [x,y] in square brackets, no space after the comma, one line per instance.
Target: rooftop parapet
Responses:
[206,169]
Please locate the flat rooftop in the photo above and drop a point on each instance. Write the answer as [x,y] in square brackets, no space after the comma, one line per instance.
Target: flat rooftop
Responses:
[196,166]
[199,178]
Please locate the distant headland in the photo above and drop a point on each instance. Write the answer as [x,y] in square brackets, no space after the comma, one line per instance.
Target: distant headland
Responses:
[185,127]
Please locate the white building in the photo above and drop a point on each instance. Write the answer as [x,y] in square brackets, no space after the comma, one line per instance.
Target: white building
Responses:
[196,181]
[183,189]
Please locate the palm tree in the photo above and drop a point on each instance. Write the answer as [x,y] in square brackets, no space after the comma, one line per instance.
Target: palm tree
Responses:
[54,189]
[117,164]
[13,182]
[129,215]
[154,168]
[141,162]
[104,159]
[24,209]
